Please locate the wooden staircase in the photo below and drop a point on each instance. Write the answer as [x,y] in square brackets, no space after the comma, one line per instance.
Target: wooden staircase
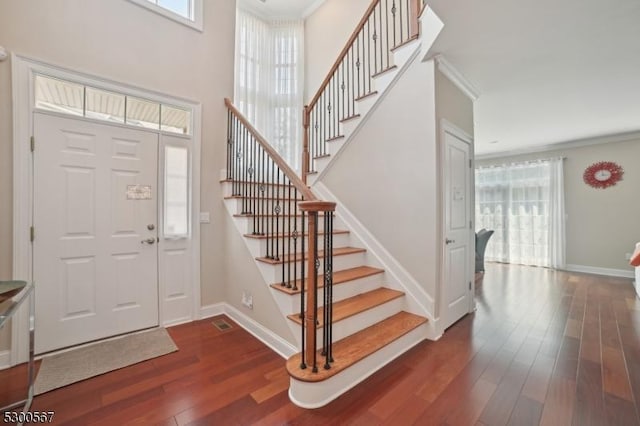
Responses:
[367,316]
[349,317]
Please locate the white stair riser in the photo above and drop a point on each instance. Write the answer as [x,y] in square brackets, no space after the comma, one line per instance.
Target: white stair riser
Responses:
[273,273]
[290,304]
[258,248]
[363,106]
[362,320]
[252,189]
[262,206]
[279,225]
[315,395]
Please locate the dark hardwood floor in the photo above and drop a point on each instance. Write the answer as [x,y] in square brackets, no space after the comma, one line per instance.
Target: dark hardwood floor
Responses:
[543,347]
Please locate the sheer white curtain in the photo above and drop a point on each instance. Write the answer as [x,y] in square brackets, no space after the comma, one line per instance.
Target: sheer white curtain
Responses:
[269,80]
[524,204]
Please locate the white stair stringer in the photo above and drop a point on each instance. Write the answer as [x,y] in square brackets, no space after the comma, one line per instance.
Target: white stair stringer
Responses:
[318,394]
[417,300]
[403,56]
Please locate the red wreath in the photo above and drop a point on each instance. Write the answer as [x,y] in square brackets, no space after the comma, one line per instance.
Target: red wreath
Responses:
[596,174]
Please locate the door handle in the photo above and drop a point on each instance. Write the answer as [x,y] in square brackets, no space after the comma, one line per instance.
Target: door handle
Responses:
[448,241]
[149,241]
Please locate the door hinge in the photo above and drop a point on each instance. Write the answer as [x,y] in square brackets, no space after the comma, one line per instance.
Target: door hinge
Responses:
[32,233]
[470,224]
[469,285]
[32,143]
[470,163]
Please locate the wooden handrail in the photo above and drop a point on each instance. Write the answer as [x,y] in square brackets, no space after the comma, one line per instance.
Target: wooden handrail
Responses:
[293,177]
[343,53]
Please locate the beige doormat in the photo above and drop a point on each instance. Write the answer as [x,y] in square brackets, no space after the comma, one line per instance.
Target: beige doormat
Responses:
[79,364]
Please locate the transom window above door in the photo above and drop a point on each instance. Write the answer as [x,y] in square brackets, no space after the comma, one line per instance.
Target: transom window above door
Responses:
[187,12]
[71,98]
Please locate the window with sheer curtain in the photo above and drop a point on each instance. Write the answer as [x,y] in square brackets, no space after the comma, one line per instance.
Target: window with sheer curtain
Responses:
[269,80]
[524,204]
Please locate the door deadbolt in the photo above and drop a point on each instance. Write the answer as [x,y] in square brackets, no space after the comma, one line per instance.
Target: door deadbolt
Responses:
[151,227]
[148,241]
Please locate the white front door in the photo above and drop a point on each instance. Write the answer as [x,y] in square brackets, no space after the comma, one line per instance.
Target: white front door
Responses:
[95,219]
[458,247]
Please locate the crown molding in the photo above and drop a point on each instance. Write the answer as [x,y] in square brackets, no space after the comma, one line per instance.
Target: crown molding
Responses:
[576,143]
[312,8]
[456,77]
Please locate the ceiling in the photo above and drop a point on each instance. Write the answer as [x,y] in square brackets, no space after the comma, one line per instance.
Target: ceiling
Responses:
[547,71]
[281,9]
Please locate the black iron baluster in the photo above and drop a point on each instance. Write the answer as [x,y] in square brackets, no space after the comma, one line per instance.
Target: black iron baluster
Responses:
[328,256]
[358,63]
[295,242]
[273,196]
[288,254]
[229,144]
[276,210]
[375,41]
[368,53]
[313,276]
[386,21]
[263,188]
[400,20]
[394,9]
[303,364]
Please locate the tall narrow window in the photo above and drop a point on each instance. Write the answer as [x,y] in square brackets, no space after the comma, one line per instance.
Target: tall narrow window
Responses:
[524,204]
[176,211]
[269,80]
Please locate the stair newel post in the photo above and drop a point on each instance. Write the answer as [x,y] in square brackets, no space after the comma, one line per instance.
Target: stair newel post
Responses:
[310,320]
[305,147]
[416,7]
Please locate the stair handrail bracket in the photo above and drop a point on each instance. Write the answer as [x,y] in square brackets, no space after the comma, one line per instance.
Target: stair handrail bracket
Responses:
[385,26]
[285,213]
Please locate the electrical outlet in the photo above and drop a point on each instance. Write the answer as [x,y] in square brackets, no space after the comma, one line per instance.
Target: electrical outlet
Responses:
[247,299]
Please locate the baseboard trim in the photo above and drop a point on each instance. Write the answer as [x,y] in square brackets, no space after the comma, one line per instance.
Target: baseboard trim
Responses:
[257,330]
[599,271]
[211,310]
[5,359]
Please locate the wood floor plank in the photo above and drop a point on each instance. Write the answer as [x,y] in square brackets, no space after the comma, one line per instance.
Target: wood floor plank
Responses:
[543,347]
[589,404]
[526,412]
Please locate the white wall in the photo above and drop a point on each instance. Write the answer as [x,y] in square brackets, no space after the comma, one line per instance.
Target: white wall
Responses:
[326,32]
[386,175]
[121,41]
[602,224]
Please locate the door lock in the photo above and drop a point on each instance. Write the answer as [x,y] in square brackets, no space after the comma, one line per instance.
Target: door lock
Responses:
[448,241]
[151,227]
[149,241]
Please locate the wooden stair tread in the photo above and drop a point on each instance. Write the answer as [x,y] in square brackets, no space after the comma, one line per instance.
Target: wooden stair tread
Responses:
[339,277]
[356,347]
[337,251]
[386,70]
[287,235]
[404,43]
[240,197]
[366,95]
[354,305]
[351,117]
[335,138]
[251,215]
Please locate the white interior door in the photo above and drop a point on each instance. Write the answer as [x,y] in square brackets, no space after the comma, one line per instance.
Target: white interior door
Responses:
[458,248]
[95,219]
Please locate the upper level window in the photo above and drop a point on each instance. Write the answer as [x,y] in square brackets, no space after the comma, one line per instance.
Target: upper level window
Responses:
[67,97]
[188,12]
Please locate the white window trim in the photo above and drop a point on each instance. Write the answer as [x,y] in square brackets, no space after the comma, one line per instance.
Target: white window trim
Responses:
[197,5]
[23,71]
